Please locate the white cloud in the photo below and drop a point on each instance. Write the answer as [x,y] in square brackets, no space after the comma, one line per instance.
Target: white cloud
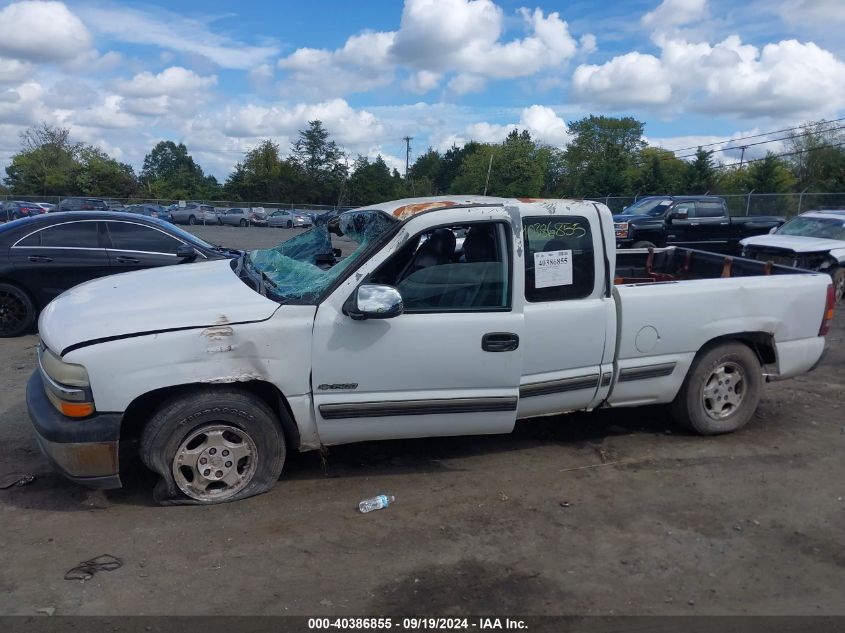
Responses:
[422,82]
[435,38]
[671,13]
[632,79]
[13,70]
[174,32]
[787,78]
[820,13]
[108,115]
[174,81]
[42,31]
[542,123]
[361,65]
[464,84]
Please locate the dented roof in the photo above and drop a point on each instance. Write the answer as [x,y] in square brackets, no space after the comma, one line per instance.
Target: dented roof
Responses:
[409,207]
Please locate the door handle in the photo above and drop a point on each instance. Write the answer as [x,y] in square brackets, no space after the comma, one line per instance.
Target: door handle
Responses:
[499,342]
[40,258]
[127,260]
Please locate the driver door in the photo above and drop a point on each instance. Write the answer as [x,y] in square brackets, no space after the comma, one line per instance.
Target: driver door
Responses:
[435,369]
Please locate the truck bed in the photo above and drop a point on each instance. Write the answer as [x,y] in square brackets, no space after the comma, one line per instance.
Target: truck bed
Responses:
[672,264]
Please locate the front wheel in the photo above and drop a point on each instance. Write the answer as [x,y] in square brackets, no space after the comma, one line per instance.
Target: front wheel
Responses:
[290,224]
[213,446]
[192,220]
[17,311]
[243,223]
[838,275]
[721,390]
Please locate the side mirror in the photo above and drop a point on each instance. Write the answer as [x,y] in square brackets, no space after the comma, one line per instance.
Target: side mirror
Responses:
[186,251]
[773,230]
[683,214]
[374,301]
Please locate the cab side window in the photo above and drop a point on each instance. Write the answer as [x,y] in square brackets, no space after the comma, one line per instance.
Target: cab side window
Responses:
[559,258]
[458,268]
[709,210]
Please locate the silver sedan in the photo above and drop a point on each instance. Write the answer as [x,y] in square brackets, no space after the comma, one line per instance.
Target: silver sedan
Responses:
[288,219]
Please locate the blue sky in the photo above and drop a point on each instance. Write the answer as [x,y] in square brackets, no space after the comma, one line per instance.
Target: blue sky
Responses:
[222,76]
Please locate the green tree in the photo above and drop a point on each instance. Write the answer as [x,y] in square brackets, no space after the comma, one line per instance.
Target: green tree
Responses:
[657,171]
[47,163]
[701,174]
[372,182]
[322,164]
[450,166]
[425,173]
[600,156]
[169,171]
[102,176]
[264,176]
[818,157]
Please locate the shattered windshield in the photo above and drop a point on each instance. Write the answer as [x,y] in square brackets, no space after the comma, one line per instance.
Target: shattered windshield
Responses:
[301,268]
[805,226]
[649,206]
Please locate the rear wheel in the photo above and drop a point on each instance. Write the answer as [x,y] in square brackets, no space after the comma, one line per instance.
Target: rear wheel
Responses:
[290,224]
[213,446]
[721,390]
[192,220]
[243,223]
[838,275]
[17,311]
[644,244]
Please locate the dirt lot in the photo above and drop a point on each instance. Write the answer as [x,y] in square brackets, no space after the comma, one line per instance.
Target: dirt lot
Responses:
[670,524]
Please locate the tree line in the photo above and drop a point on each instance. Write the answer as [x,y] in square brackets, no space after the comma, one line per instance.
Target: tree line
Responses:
[606,156]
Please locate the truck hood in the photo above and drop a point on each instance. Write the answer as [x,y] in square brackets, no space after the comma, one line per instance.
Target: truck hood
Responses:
[795,243]
[636,218]
[148,301]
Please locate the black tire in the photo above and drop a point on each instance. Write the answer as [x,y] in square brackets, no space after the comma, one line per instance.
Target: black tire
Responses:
[219,222]
[192,220]
[243,222]
[644,244]
[290,224]
[721,390]
[17,311]
[188,416]
[838,277]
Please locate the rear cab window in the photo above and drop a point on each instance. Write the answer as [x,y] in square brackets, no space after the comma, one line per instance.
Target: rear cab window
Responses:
[559,258]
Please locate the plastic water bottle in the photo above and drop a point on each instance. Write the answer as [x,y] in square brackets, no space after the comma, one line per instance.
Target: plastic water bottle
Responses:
[376,503]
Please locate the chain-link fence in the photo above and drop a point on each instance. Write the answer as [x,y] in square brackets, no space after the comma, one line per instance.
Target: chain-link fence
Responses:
[118,203]
[782,204]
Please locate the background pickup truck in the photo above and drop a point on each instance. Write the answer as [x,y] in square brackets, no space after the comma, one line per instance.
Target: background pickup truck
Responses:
[210,371]
[694,221]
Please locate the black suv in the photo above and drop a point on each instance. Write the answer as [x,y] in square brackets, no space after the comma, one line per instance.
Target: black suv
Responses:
[83,204]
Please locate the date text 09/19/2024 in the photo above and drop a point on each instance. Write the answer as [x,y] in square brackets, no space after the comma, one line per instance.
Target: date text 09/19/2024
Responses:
[417,623]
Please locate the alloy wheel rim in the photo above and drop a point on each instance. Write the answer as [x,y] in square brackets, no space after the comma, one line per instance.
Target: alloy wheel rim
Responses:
[724,390]
[215,462]
[12,311]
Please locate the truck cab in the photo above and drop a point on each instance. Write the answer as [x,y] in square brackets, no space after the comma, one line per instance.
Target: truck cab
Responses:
[412,318]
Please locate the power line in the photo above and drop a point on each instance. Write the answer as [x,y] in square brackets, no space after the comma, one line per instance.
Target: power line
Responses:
[743,138]
[795,153]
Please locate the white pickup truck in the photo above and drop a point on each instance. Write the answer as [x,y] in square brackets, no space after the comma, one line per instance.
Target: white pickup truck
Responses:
[443,316]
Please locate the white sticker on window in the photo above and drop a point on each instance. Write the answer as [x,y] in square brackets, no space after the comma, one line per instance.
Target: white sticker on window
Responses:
[552,268]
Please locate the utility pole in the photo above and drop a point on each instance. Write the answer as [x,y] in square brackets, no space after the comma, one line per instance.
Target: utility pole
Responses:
[742,155]
[407,140]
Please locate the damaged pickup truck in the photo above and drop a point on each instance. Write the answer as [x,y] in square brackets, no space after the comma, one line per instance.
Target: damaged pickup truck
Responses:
[383,324]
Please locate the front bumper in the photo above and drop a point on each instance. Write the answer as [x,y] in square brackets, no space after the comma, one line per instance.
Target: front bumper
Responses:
[85,451]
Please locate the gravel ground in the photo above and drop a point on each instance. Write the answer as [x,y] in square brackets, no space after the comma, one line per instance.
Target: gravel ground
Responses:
[612,513]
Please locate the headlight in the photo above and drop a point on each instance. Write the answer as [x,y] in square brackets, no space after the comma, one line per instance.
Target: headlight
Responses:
[66,384]
[621,229]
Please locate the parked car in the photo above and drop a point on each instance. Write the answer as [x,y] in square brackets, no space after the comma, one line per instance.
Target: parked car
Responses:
[150,210]
[14,209]
[43,256]
[234,217]
[258,217]
[694,221]
[193,213]
[186,364]
[82,204]
[814,240]
[288,219]
[47,206]
[114,205]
